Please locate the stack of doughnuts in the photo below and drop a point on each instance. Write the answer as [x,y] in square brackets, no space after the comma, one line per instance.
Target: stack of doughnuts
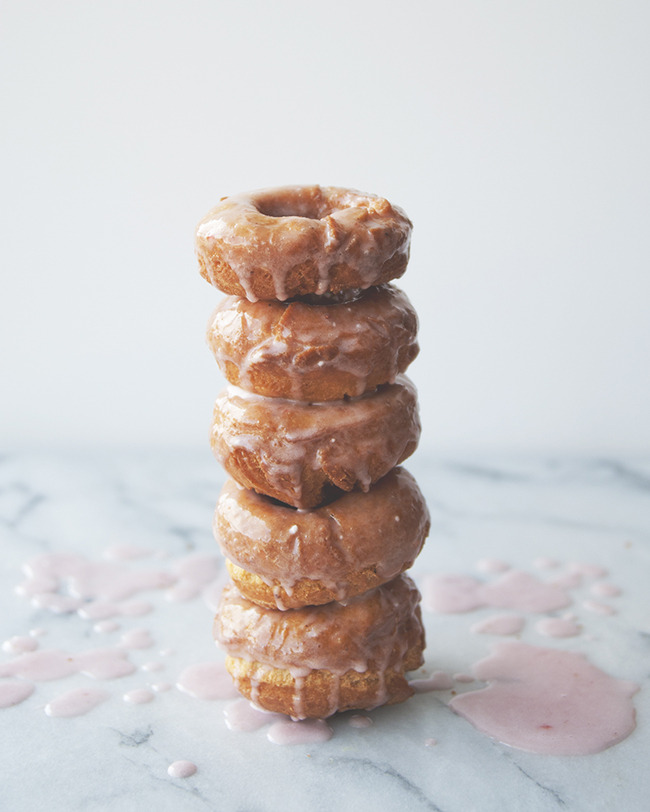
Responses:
[318,522]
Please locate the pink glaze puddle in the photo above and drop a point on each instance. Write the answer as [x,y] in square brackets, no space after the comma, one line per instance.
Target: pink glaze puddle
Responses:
[100,610]
[492,565]
[53,573]
[461,677]
[57,604]
[134,608]
[544,563]
[308,731]
[430,742]
[207,681]
[548,702]
[182,769]
[13,692]
[212,595]
[125,552]
[54,664]
[557,627]
[514,590]
[139,696]
[569,580]
[193,573]
[76,702]
[240,715]
[499,624]
[589,570]
[438,681]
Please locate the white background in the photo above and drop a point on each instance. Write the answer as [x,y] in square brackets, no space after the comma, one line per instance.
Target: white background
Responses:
[516,135]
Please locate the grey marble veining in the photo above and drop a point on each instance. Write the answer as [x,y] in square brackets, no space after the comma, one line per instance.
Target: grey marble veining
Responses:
[116,757]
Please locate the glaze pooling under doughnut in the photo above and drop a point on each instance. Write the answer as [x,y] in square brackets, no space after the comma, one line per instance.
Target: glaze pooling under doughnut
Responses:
[314,352]
[283,558]
[304,454]
[315,661]
[300,240]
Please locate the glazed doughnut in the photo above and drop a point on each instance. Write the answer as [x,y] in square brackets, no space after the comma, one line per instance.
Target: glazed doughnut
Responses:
[299,240]
[314,352]
[313,662]
[282,558]
[305,454]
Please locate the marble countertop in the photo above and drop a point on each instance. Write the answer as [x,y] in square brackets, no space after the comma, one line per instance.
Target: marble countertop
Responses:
[536,515]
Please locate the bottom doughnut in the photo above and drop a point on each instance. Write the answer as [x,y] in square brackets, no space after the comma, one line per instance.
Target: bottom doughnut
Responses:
[315,661]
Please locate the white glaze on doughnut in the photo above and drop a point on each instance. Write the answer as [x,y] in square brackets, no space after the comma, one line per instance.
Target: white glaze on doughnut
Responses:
[330,545]
[272,232]
[294,452]
[307,352]
[373,632]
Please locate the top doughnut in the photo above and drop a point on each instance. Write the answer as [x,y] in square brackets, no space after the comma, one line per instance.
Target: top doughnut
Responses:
[300,241]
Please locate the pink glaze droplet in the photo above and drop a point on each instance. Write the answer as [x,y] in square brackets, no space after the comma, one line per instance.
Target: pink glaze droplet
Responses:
[438,681]
[598,608]
[152,666]
[161,687]
[139,696]
[76,702]
[463,678]
[547,701]
[137,639]
[602,589]
[98,610]
[207,681]
[430,742]
[308,731]
[19,645]
[499,624]
[106,626]
[240,715]
[360,722]
[182,769]
[13,692]
[557,627]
